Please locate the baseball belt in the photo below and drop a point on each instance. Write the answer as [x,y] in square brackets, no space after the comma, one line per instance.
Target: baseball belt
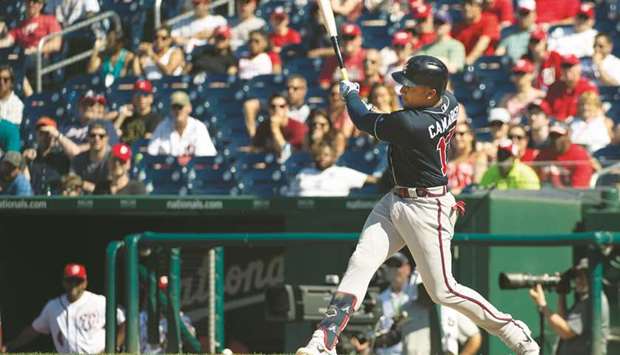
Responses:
[413,192]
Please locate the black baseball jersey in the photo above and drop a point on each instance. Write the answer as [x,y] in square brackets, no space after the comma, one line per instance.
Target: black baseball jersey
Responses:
[419,140]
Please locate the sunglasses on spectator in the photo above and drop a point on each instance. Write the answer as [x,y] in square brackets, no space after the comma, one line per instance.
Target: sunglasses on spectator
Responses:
[524,13]
[6,79]
[255,40]
[165,37]
[399,47]
[73,281]
[97,135]
[349,38]
[274,106]
[462,133]
[516,136]
[496,123]
[320,124]
[176,107]
[295,88]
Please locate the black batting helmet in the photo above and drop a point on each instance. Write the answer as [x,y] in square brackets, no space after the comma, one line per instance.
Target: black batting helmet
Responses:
[423,70]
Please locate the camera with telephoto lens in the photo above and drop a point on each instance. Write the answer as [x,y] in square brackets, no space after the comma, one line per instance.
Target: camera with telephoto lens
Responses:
[516,280]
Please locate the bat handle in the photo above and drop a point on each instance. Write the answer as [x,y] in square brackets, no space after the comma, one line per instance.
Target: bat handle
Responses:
[343,69]
[344,74]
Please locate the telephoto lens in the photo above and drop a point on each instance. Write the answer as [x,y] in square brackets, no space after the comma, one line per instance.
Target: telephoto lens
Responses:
[516,280]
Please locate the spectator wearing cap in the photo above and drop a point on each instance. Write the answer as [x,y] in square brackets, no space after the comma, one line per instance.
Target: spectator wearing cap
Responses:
[466,164]
[30,31]
[258,61]
[563,95]
[282,35]
[49,160]
[556,12]
[181,134]
[395,57]
[566,164]
[424,27]
[196,30]
[9,137]
[90,110]
[13,182]
[402,289]
[538,123]
[11,107]
[118,182]
[499,120]
[605,65]
[522,77]
[509,172]
[502,9]
[353,55]
[326,178]
[279,133]
[138,120]
[516,37]
[217,58]
[246,22]
[446,48]
[579,42]
[75,320]
[479,32]
[110,58]
[610,154]
[91,165]
[160,58]
[518,135]
[548,63]
[591,128]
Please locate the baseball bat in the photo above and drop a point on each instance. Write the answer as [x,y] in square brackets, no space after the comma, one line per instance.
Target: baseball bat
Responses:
[325,7]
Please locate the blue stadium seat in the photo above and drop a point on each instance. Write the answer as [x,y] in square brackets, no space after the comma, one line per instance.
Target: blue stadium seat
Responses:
[263,86]
[371,161]
[296,162]
[133,17]
[248,161]
[265,9]
[266,182]
[210,176]
[163,175]
[309,68]
[83,83]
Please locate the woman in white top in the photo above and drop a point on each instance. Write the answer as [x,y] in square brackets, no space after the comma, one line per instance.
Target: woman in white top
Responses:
[258,61]
[591,128]
[159,58]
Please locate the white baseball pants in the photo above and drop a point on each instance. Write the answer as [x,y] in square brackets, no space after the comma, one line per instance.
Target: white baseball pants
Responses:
[426,226]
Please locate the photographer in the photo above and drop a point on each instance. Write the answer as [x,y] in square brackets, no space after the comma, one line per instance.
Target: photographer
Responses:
[572,325]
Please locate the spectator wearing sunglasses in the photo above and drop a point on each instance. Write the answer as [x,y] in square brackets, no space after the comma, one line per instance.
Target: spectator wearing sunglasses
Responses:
[198,29]
[11,107]
[118,182]
[181,134]
[320,131]
[518,136]
[216,58]
[522,77]
[91,108]
[138,120]
[92,165]
[279,131]
[160,58]
[353,56]
[446,48]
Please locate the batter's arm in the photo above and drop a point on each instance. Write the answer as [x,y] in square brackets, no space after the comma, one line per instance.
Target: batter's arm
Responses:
[392,128]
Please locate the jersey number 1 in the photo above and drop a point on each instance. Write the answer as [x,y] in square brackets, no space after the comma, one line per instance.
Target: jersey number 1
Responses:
[442,147]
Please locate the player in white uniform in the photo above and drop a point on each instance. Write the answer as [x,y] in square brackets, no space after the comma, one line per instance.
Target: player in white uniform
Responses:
[75,320]
[419,212]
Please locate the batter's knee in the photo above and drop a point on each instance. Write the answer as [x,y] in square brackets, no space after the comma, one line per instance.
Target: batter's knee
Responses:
[361,261]
[441,295]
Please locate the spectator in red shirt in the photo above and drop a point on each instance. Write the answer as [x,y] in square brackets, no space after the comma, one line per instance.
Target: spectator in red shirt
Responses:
[282,34]
[479,32]
[424,27]
[502,9]
[353,55]
[563,95]
[555,12]
[547,62]
[518,135]
[275,133]
[571,164]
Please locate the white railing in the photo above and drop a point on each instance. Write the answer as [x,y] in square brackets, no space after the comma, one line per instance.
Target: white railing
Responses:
[41,70]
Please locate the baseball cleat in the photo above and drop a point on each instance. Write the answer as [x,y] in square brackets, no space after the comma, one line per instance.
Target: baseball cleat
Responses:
[316,346]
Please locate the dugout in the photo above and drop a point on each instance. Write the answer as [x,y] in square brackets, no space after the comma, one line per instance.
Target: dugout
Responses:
[40,235]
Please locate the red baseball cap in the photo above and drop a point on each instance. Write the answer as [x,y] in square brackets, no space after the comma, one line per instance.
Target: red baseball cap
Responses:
[523,66]
[75,270]
[90,98]
[143,85]
[350,29]
[279,13]
[162,283]
[587,10]
[401,38]
[422,11]
[570,60]
[121,151]
[46,121]
[538,34]
[222,31]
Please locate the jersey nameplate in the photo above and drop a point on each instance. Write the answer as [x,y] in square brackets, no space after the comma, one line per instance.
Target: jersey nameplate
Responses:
[441,126]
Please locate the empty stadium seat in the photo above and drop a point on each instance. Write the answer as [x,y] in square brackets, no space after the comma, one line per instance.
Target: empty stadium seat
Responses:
[370,161]
[210,176]
[267,182]
[163,175]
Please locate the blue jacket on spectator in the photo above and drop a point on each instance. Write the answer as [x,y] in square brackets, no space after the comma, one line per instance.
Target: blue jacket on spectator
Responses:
[608,155]
[18,187]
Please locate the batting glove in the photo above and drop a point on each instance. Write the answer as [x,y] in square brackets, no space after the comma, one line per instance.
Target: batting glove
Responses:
[347,87]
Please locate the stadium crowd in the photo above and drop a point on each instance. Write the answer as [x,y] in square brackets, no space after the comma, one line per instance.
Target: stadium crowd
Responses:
[249,104]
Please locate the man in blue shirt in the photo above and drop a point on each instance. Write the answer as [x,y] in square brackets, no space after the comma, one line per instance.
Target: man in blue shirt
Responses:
[12,180]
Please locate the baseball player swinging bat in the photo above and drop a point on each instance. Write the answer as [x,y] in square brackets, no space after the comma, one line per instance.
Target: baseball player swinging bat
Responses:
[325,7]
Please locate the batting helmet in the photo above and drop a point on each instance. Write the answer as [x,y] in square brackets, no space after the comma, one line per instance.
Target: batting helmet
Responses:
[423,70]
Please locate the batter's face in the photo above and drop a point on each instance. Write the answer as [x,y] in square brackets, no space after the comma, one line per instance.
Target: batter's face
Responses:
[74,287]
[418,96]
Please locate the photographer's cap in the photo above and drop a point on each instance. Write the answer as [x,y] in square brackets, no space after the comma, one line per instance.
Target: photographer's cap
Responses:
[397,260]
